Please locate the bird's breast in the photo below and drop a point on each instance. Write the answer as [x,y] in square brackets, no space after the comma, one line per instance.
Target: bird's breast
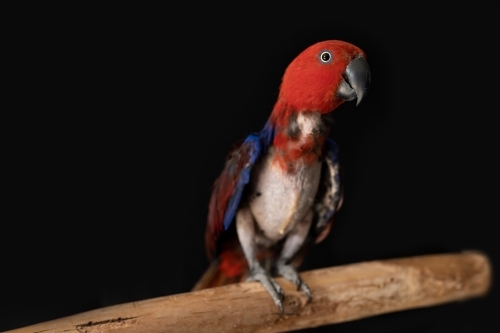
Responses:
[279,200]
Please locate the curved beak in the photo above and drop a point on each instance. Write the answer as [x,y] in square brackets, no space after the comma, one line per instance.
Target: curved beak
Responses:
[356,80]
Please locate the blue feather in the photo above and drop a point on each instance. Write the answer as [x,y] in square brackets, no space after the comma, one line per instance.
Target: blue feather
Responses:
[257,143]
[332,154]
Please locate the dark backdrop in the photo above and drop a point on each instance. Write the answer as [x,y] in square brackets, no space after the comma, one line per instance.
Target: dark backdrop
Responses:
[121,119]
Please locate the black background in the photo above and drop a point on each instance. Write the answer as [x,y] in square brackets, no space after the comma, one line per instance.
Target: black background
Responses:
[119,119]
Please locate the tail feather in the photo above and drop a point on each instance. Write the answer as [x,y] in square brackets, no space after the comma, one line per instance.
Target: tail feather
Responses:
[230,267]
[211,278]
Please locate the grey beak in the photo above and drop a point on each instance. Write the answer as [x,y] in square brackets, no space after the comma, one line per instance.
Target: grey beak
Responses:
[356,80]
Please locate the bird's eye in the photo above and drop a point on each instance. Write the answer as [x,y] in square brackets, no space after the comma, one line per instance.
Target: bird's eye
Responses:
[325,57]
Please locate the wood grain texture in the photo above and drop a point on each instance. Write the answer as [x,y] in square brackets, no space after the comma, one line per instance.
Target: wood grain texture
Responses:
[340,294]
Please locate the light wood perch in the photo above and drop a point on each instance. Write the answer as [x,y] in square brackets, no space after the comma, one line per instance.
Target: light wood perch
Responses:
[340,294]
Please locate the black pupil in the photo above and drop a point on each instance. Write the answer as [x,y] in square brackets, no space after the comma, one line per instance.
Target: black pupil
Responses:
[325,56]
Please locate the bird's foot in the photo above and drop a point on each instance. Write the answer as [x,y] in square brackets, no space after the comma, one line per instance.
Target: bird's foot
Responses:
[272,287]
[288,272]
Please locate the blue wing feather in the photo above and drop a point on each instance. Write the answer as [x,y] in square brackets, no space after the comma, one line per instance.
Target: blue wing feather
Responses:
[230,185]
[255,150]
[332,151]
[257,142]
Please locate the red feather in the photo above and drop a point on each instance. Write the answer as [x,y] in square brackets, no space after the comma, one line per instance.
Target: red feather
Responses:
[308,85]
[221,194]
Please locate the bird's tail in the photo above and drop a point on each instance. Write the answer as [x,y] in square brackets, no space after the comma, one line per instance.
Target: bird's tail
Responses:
[230,267]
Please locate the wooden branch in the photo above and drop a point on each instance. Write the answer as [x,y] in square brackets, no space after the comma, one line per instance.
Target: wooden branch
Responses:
[340,294]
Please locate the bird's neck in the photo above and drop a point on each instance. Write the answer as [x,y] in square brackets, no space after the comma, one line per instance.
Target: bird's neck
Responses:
[299,138]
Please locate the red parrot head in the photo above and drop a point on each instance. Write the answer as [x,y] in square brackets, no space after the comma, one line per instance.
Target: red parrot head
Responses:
[323,76]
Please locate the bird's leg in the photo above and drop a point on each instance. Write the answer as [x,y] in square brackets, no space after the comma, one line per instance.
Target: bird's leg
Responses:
[293,243]
[245,227]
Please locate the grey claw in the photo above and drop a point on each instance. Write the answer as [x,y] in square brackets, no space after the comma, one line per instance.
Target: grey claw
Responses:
[280,306]
[305,288]
[272,287]
[278,289]
[289,273]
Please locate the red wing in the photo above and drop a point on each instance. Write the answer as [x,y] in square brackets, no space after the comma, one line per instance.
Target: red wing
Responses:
[228,189]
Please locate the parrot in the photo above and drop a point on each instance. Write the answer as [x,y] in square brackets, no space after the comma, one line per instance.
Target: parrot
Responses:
[280,188]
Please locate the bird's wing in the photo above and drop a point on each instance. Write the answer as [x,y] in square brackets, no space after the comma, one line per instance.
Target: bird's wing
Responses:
[329,197]
[228,189]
